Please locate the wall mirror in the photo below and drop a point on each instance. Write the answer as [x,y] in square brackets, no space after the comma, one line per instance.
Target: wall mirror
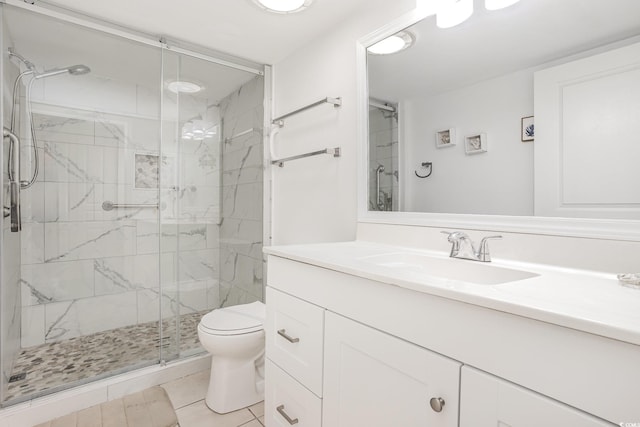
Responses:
[527,115]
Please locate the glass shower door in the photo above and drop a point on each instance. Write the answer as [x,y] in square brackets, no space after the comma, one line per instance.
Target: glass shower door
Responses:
[88,111]
[212,190]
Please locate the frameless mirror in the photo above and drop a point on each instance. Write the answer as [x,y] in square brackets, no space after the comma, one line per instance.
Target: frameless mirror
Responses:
[528,110]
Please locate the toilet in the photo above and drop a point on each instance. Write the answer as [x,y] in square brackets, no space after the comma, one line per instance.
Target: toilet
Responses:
[234,336]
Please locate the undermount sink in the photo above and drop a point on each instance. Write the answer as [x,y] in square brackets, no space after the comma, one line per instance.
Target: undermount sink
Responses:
[449,268]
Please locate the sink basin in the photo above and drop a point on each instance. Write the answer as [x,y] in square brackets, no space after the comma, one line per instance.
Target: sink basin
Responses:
[449,268]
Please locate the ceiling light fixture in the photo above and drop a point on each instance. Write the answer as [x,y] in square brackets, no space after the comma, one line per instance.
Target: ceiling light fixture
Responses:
[183,86]
[283,6]
[392,44]
[454,12]
[498,4]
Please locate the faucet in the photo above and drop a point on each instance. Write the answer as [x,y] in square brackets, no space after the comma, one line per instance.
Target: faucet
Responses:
[462,246]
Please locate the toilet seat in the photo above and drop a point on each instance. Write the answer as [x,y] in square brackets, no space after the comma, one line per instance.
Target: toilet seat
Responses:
[235,320]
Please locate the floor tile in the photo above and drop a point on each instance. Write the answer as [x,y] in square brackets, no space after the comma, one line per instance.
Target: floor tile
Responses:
[261,419]
[188,390]
[199,415]
[253,423]
[257,409]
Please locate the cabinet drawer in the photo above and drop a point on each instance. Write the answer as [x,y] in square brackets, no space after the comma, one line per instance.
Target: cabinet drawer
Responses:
[294,338]
[286,398]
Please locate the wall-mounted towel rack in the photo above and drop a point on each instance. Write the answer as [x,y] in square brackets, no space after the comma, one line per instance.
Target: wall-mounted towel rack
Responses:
[337,102]
[238,135]
[334,151]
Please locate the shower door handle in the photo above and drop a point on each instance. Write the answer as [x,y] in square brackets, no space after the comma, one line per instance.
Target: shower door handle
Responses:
[14,207]
[14,183]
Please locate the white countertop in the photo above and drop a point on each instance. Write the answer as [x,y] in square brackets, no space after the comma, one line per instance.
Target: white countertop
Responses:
[582,300]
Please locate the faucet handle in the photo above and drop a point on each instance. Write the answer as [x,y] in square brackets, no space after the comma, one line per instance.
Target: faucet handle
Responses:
[454,235]
[483,251]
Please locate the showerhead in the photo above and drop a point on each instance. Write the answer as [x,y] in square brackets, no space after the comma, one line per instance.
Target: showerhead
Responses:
[75,70]
[78,70]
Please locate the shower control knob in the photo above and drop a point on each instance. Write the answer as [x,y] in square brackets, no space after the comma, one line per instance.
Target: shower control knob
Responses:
[437,404]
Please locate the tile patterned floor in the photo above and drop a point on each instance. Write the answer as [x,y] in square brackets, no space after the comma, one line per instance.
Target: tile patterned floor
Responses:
[187,396]
[148,408]
[50,367]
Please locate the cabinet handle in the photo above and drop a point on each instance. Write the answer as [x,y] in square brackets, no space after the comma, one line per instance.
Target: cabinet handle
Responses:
[280,410]
[283,334]
[437,403]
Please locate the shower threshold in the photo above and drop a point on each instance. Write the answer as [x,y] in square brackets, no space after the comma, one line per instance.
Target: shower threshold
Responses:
[60,365]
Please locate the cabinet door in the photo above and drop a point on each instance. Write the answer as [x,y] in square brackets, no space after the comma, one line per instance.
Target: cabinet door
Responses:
[487,401]
[376,380]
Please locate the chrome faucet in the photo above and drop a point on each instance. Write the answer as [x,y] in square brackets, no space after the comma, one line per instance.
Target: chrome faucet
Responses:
[462,246]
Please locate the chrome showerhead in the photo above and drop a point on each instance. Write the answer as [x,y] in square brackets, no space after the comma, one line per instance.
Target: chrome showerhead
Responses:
[78,70]
[75,70]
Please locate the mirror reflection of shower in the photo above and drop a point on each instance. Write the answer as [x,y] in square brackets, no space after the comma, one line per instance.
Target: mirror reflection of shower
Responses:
[31,72]
[383,155]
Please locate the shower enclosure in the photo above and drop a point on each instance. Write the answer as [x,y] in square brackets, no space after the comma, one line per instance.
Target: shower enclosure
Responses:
[383,156]
[132,198]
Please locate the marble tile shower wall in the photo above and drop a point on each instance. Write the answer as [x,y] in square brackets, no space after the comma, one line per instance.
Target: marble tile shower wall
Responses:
[241,260]
[86,270]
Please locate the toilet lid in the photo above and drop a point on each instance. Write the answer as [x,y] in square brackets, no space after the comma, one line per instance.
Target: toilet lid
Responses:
[239,319]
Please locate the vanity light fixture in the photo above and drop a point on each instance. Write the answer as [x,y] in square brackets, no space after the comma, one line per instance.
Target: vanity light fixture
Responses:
[283,6]
[183,86]
[498,4]
[392,44]
[454,12]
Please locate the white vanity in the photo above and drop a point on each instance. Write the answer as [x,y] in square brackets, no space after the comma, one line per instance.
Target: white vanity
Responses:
[359,334]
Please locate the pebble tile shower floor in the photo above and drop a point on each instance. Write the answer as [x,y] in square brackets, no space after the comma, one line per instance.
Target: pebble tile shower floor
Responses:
[52,366]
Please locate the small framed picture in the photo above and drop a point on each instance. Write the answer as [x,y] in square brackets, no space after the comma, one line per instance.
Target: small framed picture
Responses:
[474,144]
[528,129]
[446,138]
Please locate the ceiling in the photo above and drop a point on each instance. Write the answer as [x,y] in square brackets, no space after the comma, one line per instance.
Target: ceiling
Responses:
[236,27]
[495,43]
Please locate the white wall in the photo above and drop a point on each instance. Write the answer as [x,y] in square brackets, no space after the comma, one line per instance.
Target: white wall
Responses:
[498,182]
[315,198]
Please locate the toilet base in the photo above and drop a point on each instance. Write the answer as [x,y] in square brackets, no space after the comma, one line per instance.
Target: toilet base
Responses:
[235,384]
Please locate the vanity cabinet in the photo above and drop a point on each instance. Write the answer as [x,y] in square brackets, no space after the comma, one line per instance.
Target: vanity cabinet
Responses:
[376,380]
[376,354]
[488,401]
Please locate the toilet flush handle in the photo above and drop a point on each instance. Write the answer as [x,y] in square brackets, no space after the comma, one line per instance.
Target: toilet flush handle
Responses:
[283,334]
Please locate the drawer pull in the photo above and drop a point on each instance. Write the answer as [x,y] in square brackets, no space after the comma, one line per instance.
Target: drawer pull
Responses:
[280,410]
[283,334]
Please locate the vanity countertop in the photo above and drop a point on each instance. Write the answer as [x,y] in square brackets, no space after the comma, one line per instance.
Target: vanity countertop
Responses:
[588,301]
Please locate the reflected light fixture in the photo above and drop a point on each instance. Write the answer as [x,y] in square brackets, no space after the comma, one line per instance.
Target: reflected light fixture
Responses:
[392,44]
[183,86]
[498,4]
[454,12]
[283,6]
[198,130]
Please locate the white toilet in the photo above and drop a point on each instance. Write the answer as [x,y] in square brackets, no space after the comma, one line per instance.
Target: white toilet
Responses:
[234,336]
